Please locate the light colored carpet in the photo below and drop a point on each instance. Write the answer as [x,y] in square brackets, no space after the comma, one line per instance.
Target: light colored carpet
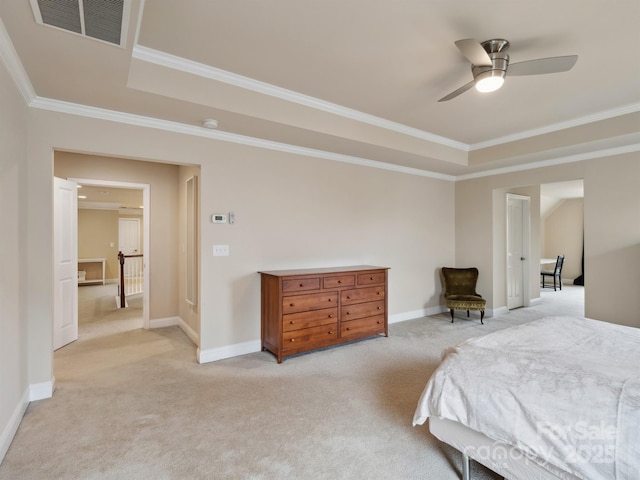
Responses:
[134,404]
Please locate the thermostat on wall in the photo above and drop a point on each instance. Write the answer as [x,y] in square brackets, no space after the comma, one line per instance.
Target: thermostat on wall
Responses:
[218,218]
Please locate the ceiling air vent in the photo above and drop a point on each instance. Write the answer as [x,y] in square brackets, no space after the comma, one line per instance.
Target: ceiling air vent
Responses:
[100,19]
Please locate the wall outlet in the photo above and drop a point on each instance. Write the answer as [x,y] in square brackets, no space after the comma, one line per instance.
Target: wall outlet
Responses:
[221,250]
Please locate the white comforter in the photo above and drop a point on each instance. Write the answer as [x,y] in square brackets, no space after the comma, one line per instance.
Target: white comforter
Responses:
[565,390]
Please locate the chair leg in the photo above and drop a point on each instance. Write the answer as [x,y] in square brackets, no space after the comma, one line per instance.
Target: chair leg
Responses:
[482,317]
[467,313]
[554,283]
[560,281]
[451,310]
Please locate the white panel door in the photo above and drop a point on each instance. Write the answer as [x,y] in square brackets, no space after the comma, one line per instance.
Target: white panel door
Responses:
[515,252]
[129,236]
[65,245]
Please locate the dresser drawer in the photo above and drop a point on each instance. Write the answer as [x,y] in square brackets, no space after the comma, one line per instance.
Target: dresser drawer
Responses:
[361,295]
[372,278]
[312,318]
[292,285]
[369,325]
[360,310]
[312,301]
[341,281]
[307,336]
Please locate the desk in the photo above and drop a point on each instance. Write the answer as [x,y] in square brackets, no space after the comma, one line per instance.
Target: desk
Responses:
[94,270]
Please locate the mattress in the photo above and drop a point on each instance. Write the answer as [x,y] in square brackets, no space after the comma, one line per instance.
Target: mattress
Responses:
[562,390]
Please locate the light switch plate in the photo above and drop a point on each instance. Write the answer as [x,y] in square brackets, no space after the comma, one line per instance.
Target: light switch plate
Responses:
[221,250]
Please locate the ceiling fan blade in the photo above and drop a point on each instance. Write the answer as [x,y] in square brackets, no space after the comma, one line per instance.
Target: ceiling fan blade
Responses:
[542,66]
[457,92]
[474,52]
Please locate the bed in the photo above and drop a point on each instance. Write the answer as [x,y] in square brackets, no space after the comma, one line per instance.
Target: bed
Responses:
[555,398]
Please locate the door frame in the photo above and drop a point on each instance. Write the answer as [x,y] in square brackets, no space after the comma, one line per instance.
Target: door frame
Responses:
[526,248]
[146,214]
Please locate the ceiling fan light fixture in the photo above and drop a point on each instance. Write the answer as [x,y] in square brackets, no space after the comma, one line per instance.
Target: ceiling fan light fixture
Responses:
[490,81]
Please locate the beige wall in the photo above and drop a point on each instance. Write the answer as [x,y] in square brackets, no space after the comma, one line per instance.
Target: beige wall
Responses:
[14,384]
[612,231]
[563,232]
[96,230]
[163,255]
[292,211]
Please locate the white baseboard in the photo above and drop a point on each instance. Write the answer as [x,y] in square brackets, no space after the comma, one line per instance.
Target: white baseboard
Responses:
[190,332]
[164,322]
[228,351]
[425,312]
[42,390]
[535,301]
[10,429]
[497,312]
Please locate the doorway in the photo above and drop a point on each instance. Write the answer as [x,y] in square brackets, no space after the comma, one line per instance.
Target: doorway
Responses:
[127,211]
[518,250]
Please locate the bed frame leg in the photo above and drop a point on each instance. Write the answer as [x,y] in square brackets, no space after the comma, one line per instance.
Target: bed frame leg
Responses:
[465,467]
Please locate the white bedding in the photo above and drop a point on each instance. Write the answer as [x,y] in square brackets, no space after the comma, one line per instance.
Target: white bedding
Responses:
[564,390]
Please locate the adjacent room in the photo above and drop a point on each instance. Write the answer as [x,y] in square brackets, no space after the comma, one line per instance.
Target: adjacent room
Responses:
[358,238]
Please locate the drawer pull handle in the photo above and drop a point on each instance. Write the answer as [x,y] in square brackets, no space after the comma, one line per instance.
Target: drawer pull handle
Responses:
[330,315]
[348,297]
[293,339]
[330,332]
[348,328]
[348,313]
[370,278]
[378,308]
[378,293]
[302,285]
[378,322]
[292,322]
[292,304]
[329,300]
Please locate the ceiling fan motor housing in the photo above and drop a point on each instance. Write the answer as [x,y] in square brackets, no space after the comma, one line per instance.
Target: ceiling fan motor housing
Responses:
[499,61]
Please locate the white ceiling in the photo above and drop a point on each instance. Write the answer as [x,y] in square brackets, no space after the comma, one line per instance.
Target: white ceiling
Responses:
[354,80]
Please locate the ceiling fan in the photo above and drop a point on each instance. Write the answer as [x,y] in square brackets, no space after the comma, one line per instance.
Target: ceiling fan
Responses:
[490,62]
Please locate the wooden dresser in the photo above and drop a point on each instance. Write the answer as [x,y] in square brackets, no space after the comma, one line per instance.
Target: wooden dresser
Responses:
[312,308]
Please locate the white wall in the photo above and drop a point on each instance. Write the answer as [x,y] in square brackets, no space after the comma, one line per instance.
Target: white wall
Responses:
[14,385]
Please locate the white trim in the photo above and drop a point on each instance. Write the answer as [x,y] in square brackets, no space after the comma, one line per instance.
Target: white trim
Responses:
[146,227]
[579,157]
[141,121]
[14,65]
[535,301]
[496,312]
[228,351]
[12,425]
[40,391]
[206,71]
[190,332]
[616,112]
[425,312]
[164,322]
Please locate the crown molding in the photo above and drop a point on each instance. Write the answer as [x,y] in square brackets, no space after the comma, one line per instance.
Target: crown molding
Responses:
[12,61]
[596,117]
[198,131]
[579,157]
[188,66]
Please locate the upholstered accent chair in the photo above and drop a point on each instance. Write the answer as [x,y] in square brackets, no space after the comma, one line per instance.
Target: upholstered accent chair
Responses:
[460,290]
[556,273]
